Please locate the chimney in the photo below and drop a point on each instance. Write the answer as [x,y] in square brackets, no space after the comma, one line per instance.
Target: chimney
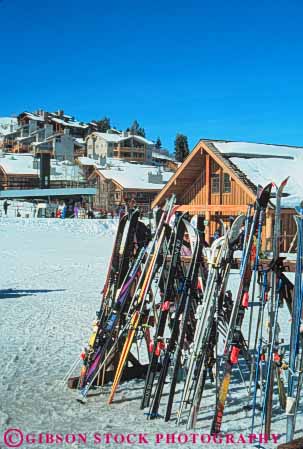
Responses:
[155,178]
[44,170]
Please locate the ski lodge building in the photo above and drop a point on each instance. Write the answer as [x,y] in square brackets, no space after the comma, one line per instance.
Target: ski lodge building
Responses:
[119,181]
[219,179]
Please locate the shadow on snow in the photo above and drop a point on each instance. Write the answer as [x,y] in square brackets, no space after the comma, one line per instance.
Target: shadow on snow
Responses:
[12,293]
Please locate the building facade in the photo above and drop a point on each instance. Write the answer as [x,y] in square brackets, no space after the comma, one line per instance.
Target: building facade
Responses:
[60,133]
[219,179]
[124,146]
[121,182]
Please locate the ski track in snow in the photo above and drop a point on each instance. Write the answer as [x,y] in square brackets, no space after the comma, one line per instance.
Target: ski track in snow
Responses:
[52,272]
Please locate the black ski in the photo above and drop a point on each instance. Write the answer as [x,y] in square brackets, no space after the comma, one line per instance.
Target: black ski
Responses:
[232,347]
[168,298]
[168,355]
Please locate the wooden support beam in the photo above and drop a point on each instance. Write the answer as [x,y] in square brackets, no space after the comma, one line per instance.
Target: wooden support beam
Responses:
[207,227]
[208,196]
[294,444]
[207,179]
[241,208]
[289,265]
[129,373]
[221,184]
[269,226]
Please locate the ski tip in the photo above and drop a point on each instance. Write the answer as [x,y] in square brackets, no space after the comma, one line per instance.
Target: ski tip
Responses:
[283,183]
[81,399]
[153,415]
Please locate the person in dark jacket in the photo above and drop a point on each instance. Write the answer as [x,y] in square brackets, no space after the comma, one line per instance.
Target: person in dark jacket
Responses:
[5,206]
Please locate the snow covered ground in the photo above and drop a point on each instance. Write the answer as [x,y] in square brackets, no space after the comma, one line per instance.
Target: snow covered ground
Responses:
[51,275]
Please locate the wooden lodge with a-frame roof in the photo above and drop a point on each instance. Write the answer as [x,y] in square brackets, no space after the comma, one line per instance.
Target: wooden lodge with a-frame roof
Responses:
[219,179]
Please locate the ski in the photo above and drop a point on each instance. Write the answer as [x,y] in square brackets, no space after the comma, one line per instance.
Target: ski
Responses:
[142,294]
[213,261]
[184,324]
[295,366]
[88,354]
[168,299]
[208,337]
[232,349]
[105,333]
[169,350]
[275,280]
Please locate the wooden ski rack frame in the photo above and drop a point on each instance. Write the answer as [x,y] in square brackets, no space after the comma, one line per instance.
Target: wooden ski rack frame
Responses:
[136,371]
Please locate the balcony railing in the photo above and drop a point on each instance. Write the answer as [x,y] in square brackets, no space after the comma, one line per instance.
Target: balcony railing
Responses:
[133,149]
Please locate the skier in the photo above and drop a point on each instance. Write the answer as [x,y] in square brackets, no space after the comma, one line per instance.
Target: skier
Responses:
[5,206]
[90,213]
[76,210]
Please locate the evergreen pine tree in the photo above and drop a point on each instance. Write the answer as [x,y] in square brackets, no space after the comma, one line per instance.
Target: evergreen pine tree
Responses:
[158,144]
[136,129]
[181,148]
[103,124]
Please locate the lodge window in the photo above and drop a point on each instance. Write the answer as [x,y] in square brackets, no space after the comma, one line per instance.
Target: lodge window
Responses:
[215,183]
[214,166]
[226,183]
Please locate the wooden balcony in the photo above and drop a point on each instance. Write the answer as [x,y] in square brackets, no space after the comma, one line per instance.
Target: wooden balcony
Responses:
[130,153]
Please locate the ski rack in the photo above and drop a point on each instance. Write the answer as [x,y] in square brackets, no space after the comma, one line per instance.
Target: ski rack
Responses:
[289,264]
[136,371]
[132,368]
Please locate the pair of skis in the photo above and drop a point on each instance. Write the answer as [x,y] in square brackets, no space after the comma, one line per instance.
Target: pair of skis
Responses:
[140,296]
[233,339]
[168,300]
[295,366]
[206,334]
[173,351]
[115,294]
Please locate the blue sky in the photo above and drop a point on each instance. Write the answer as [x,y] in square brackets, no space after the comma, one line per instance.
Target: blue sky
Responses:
[217,69]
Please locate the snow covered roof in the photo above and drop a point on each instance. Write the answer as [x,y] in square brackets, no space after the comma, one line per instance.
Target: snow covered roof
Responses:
[162,156]
[255,150]
[133,176]
[116,138]
[87,161]
[23,164]
[262,163]
[71,124]
[108,136]
[79,141]
[38,118]
[19,164]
